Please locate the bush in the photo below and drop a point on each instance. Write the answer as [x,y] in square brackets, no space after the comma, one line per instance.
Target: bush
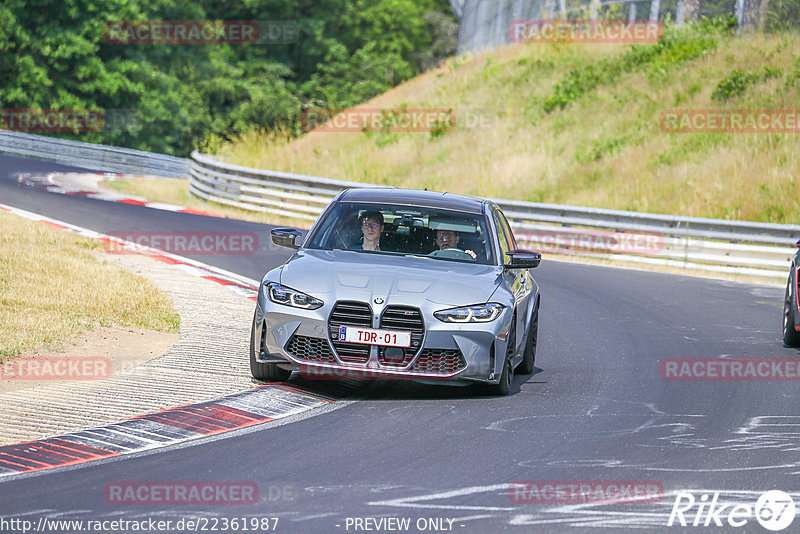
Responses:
[675,47]
[737,82]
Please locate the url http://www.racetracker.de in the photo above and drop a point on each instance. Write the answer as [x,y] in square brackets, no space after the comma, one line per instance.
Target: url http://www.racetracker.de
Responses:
[115,526]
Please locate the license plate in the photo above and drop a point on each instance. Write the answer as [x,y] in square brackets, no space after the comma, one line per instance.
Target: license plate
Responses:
[371,336]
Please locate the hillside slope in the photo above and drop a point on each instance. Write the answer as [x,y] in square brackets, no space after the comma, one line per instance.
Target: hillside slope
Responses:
[581,124]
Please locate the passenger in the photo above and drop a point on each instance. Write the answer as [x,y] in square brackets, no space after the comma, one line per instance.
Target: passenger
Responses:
[371,228]
[448,239]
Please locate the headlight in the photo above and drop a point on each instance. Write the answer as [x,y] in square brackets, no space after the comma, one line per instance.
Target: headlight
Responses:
[291,297]
[479,313]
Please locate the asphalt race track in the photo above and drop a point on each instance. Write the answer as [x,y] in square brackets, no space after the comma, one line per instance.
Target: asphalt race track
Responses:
[596,410]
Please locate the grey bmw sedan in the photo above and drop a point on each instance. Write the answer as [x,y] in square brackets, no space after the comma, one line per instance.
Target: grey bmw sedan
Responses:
[400,284]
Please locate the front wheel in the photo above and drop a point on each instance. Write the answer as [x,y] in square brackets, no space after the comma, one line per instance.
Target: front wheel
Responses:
[525,367]
[269,372]
[790,336]
[503,387]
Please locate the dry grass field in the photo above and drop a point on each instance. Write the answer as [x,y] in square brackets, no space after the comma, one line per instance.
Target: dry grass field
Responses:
[604,147]
[54,286]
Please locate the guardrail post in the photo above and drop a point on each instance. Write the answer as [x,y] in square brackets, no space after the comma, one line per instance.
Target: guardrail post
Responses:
[686,245]
[655,7]
[594,9]
[739,12]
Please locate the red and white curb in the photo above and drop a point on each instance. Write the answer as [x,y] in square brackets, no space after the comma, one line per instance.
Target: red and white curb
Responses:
[248,408]
[46,182]
[239,284]
[156,430]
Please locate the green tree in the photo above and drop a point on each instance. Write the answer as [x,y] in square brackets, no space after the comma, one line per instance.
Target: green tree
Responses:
[54,54]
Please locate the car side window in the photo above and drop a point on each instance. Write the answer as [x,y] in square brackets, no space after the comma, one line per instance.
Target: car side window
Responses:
[501,237]
[512,242]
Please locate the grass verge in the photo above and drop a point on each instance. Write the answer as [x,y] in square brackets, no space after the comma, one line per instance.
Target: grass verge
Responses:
[53,286]
[580,124]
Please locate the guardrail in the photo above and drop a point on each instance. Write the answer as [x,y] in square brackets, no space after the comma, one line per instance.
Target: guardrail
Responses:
[92,156]
[738,247]
[292,195]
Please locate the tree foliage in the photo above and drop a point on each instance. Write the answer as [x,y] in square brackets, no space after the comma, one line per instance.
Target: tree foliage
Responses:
[171,98]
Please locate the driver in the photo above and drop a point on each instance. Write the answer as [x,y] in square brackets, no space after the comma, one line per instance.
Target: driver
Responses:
[448,239]
[371,227]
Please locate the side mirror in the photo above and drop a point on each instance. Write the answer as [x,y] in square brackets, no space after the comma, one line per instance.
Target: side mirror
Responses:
[522,259]
[285,237]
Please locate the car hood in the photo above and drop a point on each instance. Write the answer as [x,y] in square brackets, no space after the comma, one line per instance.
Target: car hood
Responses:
[346,275]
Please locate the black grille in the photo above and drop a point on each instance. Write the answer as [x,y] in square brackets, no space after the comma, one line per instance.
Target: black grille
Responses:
[407,319]
[312,349]
[350,314]
[439,361]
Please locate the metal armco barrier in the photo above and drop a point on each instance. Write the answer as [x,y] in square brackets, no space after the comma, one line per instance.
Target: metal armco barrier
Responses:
[293,195]
[736,247]
[92,156]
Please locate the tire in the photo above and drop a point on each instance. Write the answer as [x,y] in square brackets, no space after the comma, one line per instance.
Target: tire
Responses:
[269,372]
[790,336]
[525,367]
[503,387]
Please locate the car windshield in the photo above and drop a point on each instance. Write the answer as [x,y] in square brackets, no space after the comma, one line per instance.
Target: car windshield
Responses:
[405,230]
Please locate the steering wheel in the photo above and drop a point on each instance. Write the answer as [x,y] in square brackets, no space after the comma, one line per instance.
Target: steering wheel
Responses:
[452,253]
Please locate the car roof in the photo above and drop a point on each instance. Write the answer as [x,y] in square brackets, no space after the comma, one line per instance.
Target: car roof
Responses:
[415,197]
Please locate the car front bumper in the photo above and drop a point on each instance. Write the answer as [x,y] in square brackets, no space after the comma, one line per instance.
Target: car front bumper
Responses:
[300,340]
